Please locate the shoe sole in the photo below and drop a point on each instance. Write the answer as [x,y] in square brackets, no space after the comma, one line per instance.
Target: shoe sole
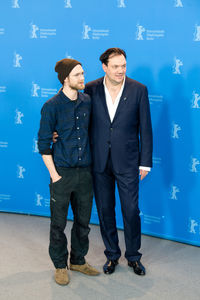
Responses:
[62,284]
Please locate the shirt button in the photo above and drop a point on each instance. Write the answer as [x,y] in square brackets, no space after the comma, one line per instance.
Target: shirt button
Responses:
[77,128]
[111,128]
[79,158]
[79,138]
[79,148]
[77,118]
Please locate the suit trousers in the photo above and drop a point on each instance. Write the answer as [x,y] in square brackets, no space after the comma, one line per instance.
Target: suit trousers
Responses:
[75,186]
[104,189]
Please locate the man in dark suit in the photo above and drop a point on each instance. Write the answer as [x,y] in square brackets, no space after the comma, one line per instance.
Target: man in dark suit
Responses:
[121,139]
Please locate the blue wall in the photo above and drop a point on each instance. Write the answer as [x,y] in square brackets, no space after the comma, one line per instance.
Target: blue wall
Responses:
[162,41]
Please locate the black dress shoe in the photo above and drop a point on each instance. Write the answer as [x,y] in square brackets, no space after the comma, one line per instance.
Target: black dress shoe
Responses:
[137,266]
[109,266]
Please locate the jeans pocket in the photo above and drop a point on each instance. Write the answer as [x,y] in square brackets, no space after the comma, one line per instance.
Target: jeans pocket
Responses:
[58,188]
[57,182]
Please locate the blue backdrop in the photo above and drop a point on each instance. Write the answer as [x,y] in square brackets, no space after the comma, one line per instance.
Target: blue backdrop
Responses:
[162,41]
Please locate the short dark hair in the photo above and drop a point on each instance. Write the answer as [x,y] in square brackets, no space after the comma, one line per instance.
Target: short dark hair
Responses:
[111,51]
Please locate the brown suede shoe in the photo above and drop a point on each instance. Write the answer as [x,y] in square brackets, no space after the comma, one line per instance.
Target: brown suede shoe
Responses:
[85,269]
[61,276]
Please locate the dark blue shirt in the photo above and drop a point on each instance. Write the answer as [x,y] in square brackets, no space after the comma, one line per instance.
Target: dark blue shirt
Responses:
[71,120]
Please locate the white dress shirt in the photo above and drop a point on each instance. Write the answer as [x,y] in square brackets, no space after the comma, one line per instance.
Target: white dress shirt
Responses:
[112,107]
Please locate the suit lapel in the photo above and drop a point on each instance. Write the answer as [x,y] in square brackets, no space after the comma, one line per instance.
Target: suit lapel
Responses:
[123,100]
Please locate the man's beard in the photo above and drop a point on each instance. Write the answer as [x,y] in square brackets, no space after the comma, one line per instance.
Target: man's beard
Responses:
[78,86]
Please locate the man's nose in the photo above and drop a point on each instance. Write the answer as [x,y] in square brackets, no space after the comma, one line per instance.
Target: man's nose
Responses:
[121,69]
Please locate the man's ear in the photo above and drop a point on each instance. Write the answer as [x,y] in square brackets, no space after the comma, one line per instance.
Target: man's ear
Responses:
[66,81]
[104,67]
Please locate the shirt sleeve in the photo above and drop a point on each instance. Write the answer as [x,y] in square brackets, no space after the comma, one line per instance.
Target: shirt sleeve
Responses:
[47,127]
[144,168]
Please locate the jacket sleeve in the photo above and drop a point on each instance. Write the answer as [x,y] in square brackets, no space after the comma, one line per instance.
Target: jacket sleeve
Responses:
[47,127]
[146,139]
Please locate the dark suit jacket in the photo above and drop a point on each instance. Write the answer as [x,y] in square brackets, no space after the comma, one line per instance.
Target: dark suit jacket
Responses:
[129,136]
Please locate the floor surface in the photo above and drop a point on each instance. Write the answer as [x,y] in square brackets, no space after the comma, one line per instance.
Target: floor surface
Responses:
[26,272]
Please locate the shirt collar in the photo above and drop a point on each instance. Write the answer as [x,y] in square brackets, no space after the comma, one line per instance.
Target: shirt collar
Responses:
[65,98]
